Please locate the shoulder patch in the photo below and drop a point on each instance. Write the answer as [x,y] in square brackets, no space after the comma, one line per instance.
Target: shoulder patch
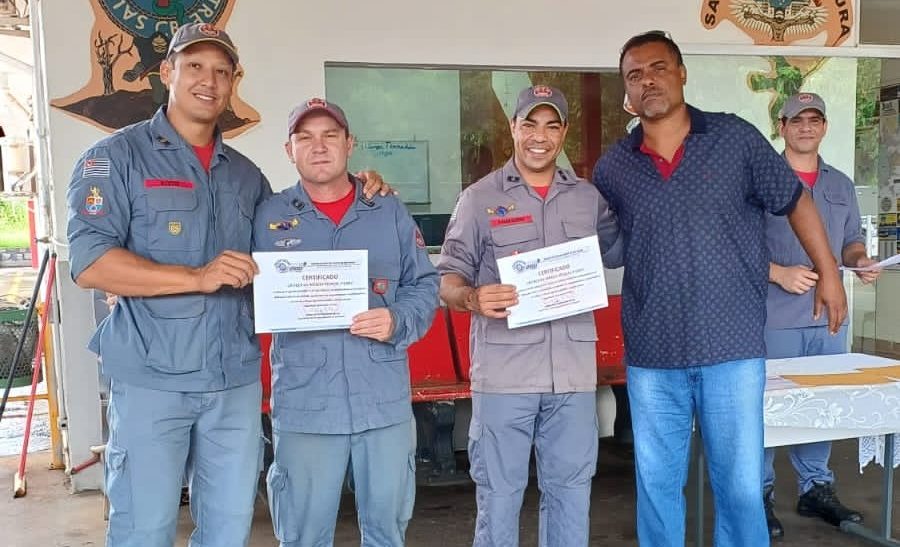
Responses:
[95,167]
[420,239]
[93,203]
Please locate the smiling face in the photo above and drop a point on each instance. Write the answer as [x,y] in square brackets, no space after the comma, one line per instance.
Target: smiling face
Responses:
[654,80]
[804,132]
[538,140]
[200,80]
[320,147]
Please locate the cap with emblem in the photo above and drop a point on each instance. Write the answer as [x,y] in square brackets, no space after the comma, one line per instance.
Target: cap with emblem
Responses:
[195,33]
[315,105]
[795,104]
[535,96]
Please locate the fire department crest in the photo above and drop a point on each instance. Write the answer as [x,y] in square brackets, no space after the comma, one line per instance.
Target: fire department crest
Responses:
[783,21]
[93,203]
[128,43]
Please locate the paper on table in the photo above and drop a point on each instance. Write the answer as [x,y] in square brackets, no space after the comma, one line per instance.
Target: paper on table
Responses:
[863,378]
[777,382]
[879,266]
[841,363]
[800,366]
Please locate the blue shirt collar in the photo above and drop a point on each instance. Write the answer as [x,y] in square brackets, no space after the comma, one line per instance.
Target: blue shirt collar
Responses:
[698,125]
[300,201]
[165,137]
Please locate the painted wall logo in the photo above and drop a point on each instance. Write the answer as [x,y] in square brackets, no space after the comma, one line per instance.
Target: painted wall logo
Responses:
[780,22]
[129,41]
[785,78]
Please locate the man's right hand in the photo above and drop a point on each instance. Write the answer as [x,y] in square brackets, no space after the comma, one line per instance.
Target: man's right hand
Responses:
[794,279]
[229,269]
[830,297]
[492,300]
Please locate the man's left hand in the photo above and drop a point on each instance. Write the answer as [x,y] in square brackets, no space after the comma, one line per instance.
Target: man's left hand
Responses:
[374,184]
[830,295]
[377,324]
[866,276]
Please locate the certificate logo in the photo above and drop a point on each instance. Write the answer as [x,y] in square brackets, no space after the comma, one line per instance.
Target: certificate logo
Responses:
[285,266]
[520,266]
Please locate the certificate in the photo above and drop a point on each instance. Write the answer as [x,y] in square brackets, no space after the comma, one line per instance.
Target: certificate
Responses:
[886,263]
[555,282]
[309,290]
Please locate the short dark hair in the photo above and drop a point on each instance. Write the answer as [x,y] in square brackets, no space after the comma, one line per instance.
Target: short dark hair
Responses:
[651,37]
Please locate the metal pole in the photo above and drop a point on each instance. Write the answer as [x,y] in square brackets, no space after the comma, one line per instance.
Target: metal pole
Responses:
[887,505]
[21,343]
[20,486]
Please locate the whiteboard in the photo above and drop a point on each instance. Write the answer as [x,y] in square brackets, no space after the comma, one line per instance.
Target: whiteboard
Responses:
[402,164]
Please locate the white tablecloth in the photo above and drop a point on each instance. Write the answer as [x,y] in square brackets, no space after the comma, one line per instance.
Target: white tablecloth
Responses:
[794,414]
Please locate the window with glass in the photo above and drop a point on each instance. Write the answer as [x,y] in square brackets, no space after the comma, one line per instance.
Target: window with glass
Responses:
[433,131]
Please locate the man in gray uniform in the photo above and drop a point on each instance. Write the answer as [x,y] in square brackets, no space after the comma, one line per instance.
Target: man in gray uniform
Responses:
[342,397]
[534,385]
[160,214]
[791,330]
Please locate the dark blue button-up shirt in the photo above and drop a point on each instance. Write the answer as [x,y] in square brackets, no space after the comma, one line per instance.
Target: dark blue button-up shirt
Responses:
[696,264]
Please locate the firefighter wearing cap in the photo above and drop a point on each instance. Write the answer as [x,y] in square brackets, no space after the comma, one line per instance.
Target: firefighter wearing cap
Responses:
[791,330]
[160,213]
[533,386]
[343,396]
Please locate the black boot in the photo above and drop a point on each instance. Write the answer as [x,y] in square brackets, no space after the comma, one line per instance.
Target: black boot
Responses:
[776,531]
[822,502]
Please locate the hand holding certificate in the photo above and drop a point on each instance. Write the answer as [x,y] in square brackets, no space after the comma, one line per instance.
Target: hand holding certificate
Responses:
[310,290]
[886,263]
[555,282]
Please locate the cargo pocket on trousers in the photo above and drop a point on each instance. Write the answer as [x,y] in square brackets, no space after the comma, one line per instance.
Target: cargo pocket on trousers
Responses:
[409,500]
[118,488]
[477,465]
[283,519]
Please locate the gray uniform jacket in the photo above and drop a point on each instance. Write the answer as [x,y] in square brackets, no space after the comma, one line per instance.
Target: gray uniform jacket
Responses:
[835,198]
[501,215]
[332,381]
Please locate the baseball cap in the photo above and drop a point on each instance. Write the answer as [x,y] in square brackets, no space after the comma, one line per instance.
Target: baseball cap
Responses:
[316,105]
[795,104]
[537,95]
[195,33]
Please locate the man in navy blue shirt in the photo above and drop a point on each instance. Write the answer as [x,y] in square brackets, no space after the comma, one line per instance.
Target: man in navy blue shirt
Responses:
[691,190]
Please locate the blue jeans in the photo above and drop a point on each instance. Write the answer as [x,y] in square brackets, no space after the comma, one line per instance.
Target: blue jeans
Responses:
[810,460]
[306,480]
[727,401]
[154,436]
[563,430]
